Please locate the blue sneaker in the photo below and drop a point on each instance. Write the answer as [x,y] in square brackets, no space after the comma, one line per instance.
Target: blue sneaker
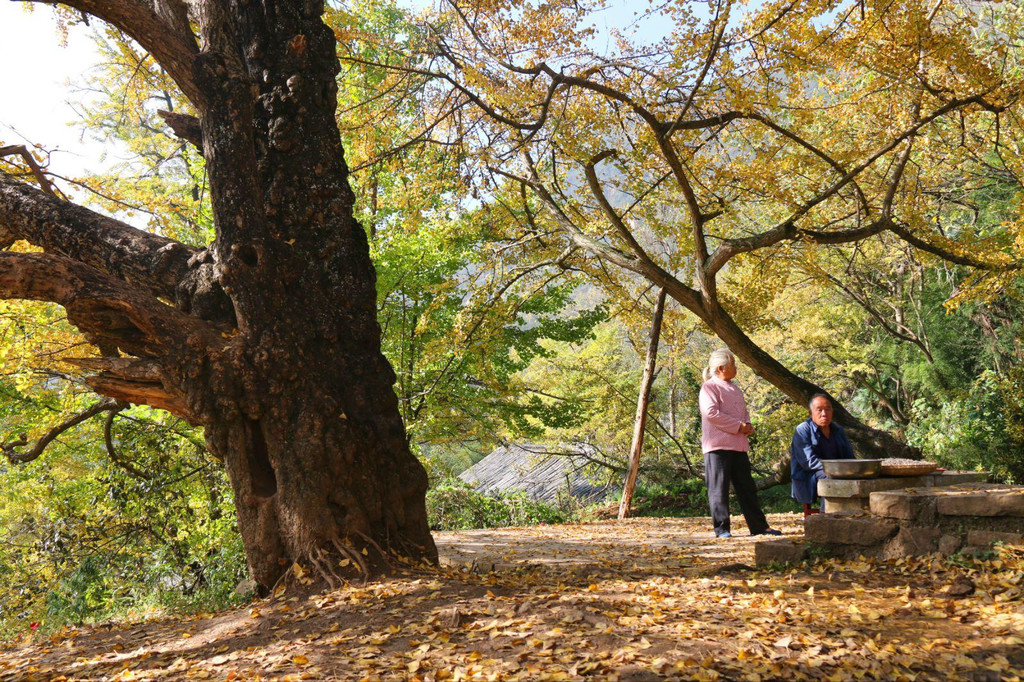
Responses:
[726,534]
[770,531]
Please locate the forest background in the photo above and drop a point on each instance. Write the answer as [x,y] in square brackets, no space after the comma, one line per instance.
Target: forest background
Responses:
[495,335]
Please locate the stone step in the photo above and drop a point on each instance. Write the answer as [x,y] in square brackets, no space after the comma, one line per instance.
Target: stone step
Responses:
[982,501]
[972,499]
[965,518]
[848,528]
[862,487]
[780,551]
[986,538]
[906,505]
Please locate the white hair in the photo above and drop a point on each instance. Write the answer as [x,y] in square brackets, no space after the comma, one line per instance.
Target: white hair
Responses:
[722,357]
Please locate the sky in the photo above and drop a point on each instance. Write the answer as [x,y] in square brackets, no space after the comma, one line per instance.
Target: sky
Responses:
[35,86]
[38,78]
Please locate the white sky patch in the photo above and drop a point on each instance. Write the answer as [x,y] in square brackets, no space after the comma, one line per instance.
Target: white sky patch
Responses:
[38,83]
[39,79]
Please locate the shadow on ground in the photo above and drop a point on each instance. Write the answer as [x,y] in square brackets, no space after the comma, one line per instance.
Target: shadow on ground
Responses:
[641,600]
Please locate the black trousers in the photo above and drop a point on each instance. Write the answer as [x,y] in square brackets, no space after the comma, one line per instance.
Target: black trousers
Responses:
[722,467]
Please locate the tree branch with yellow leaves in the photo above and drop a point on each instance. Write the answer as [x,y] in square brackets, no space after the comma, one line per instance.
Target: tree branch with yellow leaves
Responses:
[760,119]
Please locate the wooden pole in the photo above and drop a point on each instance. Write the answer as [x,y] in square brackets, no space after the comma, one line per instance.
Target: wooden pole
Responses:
[641,410]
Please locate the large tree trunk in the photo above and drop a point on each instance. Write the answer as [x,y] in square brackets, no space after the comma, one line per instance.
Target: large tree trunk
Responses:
[302,407]
[269,337]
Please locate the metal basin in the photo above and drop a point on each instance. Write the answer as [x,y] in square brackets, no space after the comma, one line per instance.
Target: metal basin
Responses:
[851,468]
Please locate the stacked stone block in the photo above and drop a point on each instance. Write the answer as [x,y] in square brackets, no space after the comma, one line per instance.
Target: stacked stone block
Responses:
[911,522]
[854,494]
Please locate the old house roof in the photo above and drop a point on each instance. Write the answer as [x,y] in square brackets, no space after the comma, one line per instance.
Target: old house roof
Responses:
[528,468]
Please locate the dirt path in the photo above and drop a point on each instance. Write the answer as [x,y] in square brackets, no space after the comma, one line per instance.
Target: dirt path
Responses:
[644,600]
[687,546]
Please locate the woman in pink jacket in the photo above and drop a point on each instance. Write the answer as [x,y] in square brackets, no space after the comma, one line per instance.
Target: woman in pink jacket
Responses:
[725,425]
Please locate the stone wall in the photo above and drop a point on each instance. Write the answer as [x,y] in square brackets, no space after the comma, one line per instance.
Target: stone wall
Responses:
[911,522]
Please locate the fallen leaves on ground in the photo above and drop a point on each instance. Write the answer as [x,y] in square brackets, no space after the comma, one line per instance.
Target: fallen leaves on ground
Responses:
[645,599]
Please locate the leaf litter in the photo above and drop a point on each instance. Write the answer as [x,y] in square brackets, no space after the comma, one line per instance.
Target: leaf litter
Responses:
[644,599]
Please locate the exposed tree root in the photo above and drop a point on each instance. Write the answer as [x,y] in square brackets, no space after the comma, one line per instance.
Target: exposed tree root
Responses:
[352,554]
[324,569]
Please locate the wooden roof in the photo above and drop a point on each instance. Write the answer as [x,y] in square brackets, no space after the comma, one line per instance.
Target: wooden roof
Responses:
[527,468]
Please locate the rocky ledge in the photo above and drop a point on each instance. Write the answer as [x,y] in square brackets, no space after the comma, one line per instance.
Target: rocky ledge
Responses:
[965,518]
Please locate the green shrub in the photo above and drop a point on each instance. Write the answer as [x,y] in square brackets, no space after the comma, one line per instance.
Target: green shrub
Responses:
[453,505]
[977,431]
[80,595]
[682,497]
[84,539]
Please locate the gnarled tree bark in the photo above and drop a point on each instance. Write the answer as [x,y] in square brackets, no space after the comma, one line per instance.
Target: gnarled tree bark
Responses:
[267,338]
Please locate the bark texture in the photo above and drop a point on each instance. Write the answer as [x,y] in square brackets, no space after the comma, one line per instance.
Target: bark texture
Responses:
[268,338]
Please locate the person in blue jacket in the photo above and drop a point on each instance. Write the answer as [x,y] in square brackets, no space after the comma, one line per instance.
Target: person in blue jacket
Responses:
[814,440]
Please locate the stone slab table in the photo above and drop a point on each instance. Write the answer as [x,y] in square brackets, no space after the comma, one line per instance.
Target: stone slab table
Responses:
[854,494]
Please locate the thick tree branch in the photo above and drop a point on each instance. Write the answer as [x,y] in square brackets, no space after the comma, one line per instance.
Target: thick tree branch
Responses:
[160,27]
[732,247]
[854,234]
[142,394]
[129,369]
[185,126]
[60,227]
[134,380]
[106,310]
[16,456]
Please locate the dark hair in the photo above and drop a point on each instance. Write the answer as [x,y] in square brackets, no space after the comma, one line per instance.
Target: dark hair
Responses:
[819,395]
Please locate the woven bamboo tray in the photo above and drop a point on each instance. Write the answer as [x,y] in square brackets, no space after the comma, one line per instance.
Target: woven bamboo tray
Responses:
[917,469]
